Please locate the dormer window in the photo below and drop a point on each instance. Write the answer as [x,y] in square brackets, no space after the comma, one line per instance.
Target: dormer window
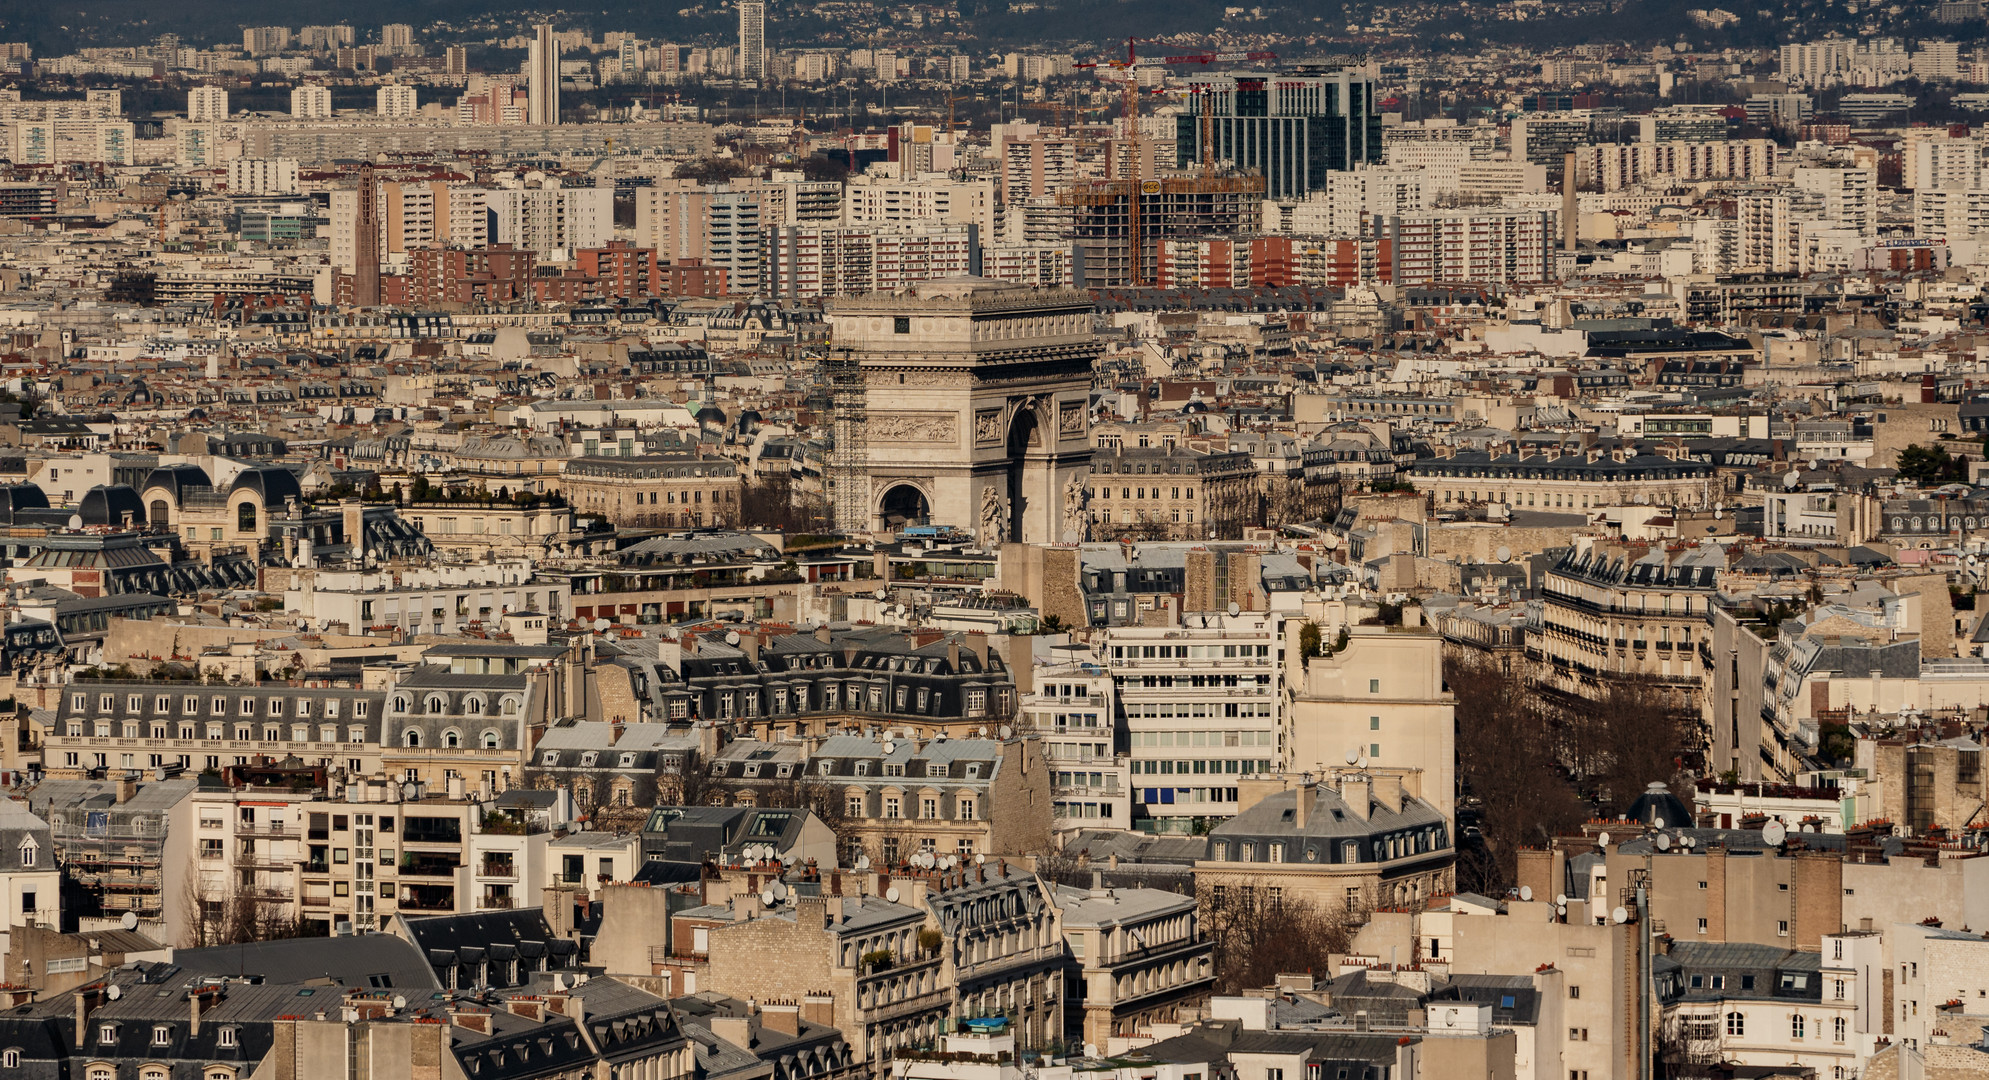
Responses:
[162,1035]
[225,1037]
[549,758]
[28,852]
[107,1033]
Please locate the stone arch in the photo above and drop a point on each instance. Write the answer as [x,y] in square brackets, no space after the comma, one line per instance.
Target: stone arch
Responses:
[904,502]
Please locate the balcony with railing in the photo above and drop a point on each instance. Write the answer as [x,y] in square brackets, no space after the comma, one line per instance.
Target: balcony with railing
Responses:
[428,898]
[422,864]
[498,865]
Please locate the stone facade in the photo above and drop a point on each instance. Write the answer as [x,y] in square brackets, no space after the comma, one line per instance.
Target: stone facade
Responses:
[977,395]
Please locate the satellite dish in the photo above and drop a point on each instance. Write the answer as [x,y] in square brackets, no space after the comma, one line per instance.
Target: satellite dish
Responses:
[1774,833]
[1620,916]
[1688,843]
[767,897]
[1603,839]
[410,790]
[1792,479]
[130,920]
[114,992]
[779,890]
[1526,893]
[1007,731]
[732,637]
[883,594]
[891,894]
[1560,899]
[890,747]
[400,1001]
[1235,608]
[1805,828]
[980,859]
[1353,755]
[1664,841]
[1504,553]
[863,862]
[1657,821]
[1560,909]
[601,626]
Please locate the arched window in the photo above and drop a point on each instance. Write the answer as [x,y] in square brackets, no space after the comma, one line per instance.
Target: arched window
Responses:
[436,703]
[509,706]
[411,738]
[402,703]
[452,739]
[473,704]
[245,517]
[490,740]
[1736,1024]
[11,1059]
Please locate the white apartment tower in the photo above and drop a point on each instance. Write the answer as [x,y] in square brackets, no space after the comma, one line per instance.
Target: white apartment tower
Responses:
[397,38]
[206,105]
[752,39]
[310,102]
[395,101]
[542,76]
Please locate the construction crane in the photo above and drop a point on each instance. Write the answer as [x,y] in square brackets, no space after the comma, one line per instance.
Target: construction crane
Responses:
[951,100]
[1127,70]
[1136,262]
[1056,109]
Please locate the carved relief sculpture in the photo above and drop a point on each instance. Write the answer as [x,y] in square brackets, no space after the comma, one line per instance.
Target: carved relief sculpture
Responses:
[994,518]
[912,427]
[1074,516]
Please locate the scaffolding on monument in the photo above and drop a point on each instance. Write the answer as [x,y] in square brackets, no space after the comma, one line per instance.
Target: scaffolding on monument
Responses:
[849,449]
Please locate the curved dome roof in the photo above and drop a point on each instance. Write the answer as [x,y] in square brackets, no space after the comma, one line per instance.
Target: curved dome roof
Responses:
[711,414]
[1657,801]
[273,483]
[18,497]
[176,478]
[107,504]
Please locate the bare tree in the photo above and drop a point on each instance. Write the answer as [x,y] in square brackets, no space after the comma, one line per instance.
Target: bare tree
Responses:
[1506,756]
[1633,738]
[1687,1045]
[1259,934]
[771,501]
[233,918]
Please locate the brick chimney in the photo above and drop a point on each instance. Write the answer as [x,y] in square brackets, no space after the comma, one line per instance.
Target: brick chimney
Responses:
[781,1016]
[819,1007]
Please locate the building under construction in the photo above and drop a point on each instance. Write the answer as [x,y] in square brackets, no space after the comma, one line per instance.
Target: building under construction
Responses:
[1104,221]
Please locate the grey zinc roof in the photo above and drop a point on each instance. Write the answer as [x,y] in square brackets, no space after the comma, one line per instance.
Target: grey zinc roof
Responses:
[154,795]
[1274,816]
[359,961]
[1080,908]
